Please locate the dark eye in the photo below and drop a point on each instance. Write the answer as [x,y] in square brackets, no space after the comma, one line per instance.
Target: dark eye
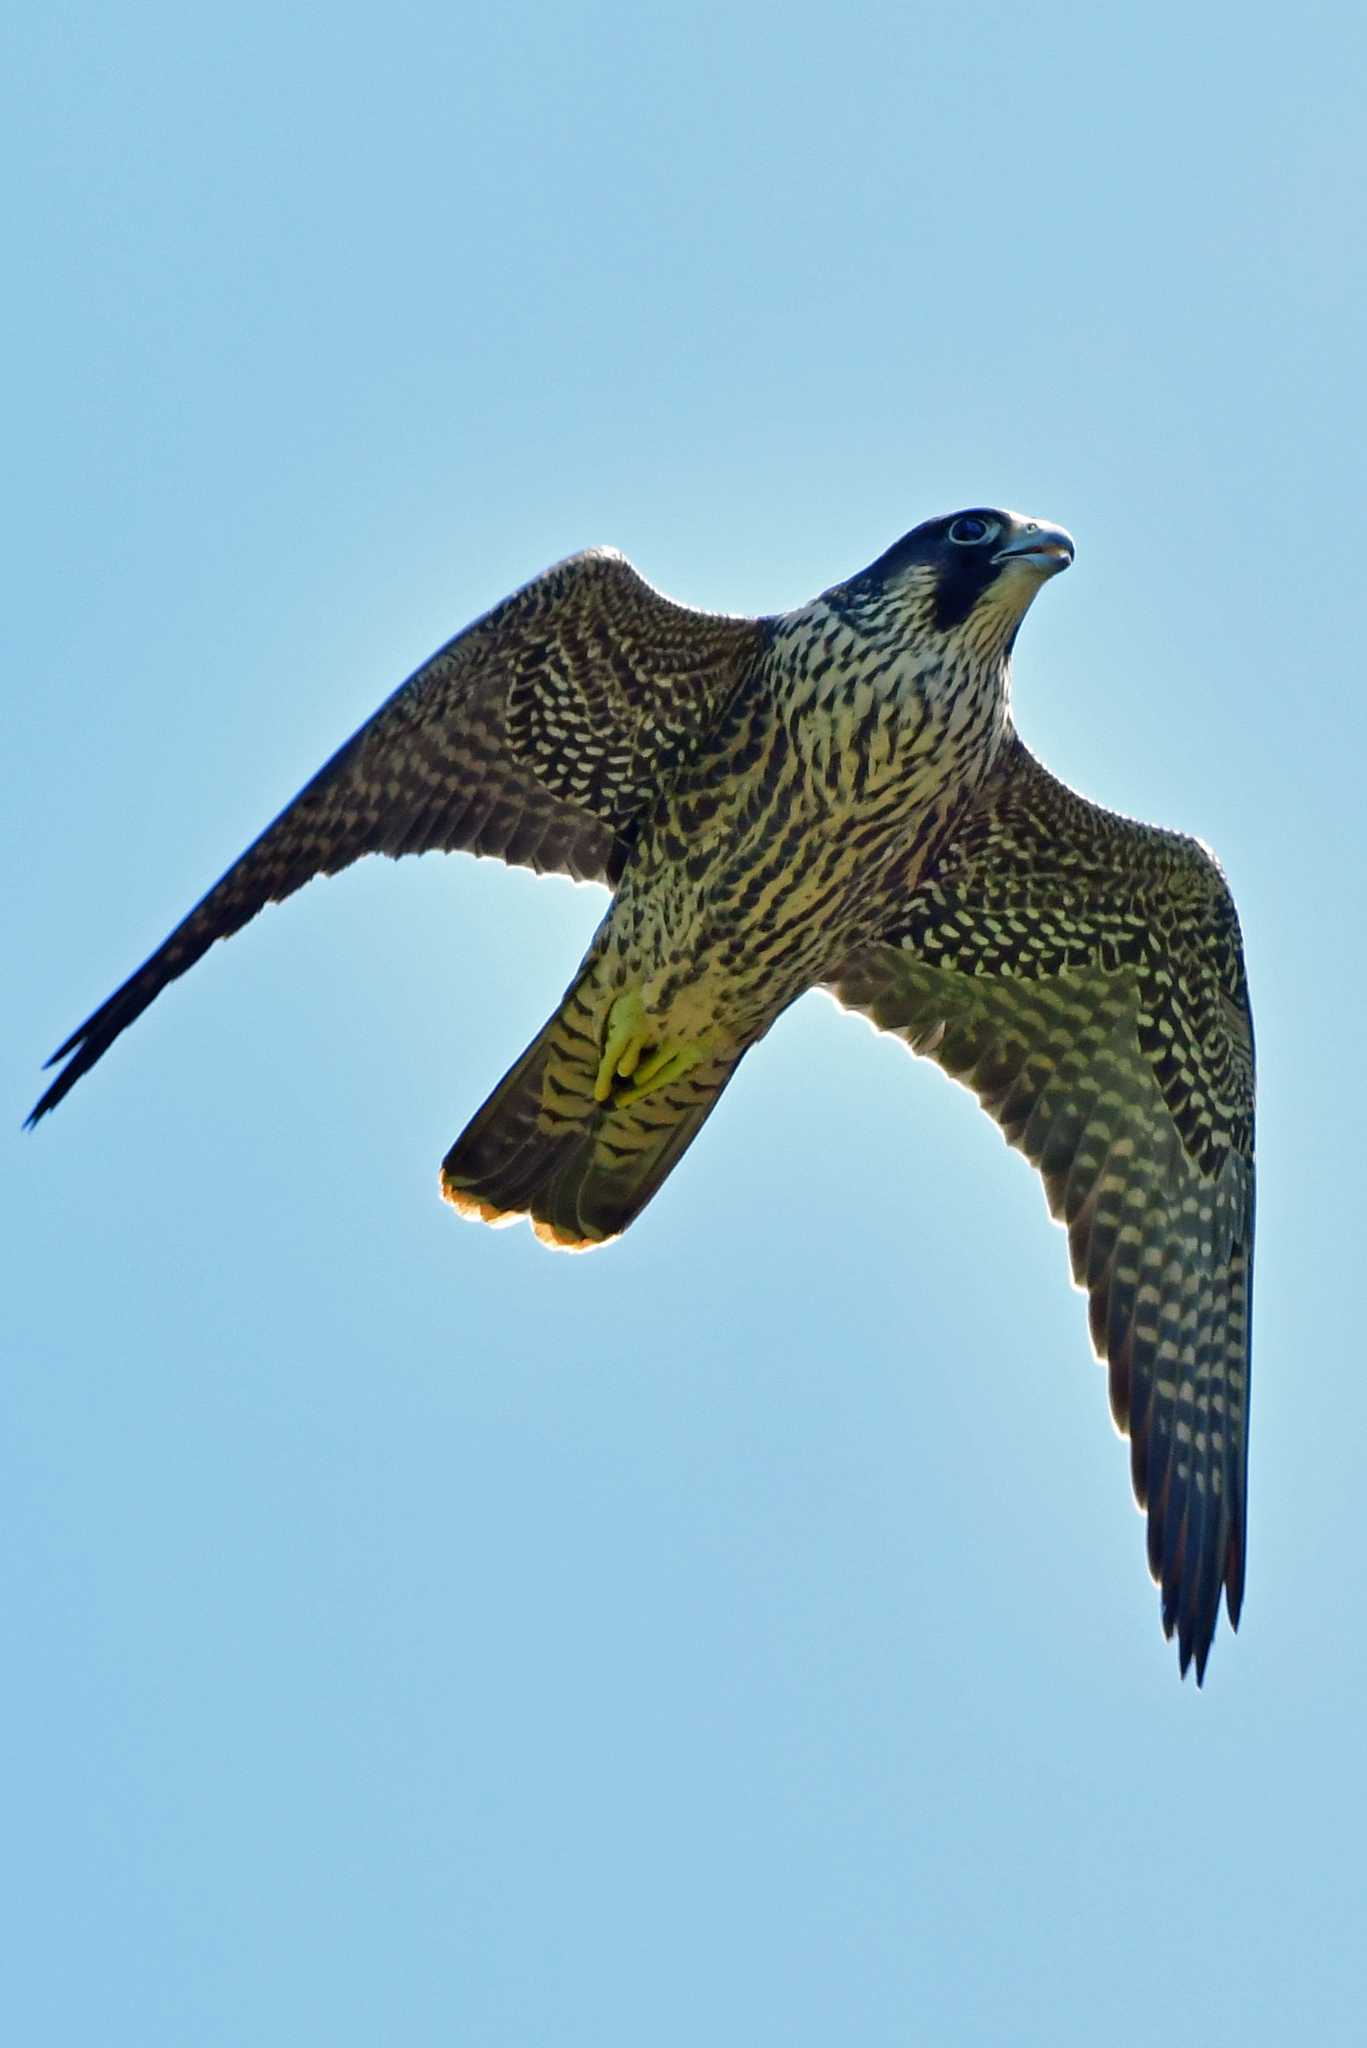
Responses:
[969,532]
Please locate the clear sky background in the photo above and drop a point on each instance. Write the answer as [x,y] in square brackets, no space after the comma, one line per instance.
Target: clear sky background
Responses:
[743,1634]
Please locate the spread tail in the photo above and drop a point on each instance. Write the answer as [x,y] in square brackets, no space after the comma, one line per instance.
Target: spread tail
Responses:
[578,1169]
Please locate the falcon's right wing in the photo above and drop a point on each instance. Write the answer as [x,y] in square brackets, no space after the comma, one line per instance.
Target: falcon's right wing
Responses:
[1083,975]
[536,735]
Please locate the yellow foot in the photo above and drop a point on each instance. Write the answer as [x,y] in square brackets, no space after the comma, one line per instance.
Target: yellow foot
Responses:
[660,1069]
[629,1055]
[625,1042]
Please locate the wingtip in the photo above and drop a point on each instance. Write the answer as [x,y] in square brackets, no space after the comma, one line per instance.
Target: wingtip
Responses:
[1194,1641]
[1234,1583]
[46,1102]
[1193,1653]
[52,1095]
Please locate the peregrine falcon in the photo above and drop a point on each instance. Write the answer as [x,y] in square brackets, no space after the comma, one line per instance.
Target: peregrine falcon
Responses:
[834,798]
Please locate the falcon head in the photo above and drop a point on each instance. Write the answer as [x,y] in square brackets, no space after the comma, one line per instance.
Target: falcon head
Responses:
[983,561]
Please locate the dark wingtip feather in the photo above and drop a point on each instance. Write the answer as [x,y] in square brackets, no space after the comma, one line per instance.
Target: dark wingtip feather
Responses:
[91,1040]
[70,1074]
[65,1081]
[1234,1570]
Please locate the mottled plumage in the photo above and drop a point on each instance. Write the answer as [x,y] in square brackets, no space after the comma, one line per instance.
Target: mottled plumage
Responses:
[835,798]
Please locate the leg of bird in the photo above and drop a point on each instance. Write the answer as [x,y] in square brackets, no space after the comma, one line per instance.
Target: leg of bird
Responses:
[625,1056]
[663,1066]
[627,1038]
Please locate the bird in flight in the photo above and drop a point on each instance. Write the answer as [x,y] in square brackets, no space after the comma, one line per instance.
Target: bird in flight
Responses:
[834,798]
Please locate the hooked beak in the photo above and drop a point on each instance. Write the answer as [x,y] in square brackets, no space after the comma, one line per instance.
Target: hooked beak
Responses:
[1045,548]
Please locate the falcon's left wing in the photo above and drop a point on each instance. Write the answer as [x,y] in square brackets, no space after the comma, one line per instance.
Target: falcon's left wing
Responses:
[1083,975]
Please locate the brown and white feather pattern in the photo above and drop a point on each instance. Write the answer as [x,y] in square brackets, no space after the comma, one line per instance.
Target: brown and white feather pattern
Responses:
[813,802]
[784,830]
[535,736]
[1083,975]
[834,797]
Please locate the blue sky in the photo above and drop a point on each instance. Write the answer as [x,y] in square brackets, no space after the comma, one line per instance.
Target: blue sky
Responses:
[742,1634]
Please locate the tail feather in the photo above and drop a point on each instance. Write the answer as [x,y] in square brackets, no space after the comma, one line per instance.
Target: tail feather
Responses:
[579,1170]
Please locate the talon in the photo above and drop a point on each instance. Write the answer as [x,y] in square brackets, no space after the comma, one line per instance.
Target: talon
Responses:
[624,1044]
[660,1069]
[650,1069]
